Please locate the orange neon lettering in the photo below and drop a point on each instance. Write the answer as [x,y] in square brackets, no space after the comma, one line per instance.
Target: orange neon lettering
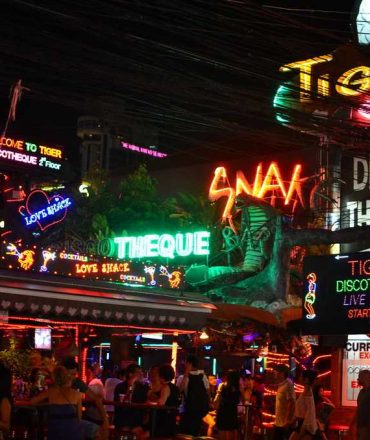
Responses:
[215,193]
[273,174]
[242,184]
[295,186]
[258,180]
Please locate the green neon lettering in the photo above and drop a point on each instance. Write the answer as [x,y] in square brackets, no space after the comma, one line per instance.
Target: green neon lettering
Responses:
[164,245]
[339,286]
[151,245]
[356,285]
[184,250]
[201,243]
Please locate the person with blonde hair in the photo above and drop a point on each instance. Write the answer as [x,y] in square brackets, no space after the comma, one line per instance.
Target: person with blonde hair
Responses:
[64,405]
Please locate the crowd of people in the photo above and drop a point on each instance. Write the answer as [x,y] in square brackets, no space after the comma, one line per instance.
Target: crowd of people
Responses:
[191,404]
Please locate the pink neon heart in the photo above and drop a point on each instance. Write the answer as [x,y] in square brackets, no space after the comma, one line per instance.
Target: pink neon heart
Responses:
[46,222]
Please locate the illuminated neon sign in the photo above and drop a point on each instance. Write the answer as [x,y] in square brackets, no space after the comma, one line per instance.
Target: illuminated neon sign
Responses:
[51,262]
[337,294]
[270,186]
[43,210]
[143,150]
[165,245]
[351,83]
[29,153]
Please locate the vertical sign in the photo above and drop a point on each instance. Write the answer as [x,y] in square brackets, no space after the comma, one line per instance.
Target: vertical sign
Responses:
[356,358]
[355,197]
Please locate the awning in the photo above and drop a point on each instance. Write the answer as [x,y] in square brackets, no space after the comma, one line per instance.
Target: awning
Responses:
[232,312]
[33,297]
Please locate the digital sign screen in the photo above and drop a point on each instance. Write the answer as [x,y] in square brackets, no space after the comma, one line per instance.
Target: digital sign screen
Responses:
[51,261]
[336,296]
[43,339]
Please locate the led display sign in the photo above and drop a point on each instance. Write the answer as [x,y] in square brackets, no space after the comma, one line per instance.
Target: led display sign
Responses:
[164,245]
[31,154]
[270,186]
[148,151]
[336,298]
[52,261]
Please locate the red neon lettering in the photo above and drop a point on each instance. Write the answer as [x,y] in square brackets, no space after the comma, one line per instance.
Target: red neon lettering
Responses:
[268,185]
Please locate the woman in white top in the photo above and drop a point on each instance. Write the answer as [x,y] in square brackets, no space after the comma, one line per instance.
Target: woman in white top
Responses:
[305,411]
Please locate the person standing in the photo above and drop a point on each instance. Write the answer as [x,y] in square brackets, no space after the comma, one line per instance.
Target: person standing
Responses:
[227,407]
[195,387]
[363,406]
[285,402]
[5,400]
[95,384]
[305,410]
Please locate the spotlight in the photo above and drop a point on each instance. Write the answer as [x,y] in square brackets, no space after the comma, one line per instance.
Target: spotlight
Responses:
[204,335]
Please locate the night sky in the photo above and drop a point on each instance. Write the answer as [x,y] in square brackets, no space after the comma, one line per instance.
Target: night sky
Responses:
[200,73]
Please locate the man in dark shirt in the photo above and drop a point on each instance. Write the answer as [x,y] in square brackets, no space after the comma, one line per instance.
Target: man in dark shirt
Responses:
[363,406]
[131,390]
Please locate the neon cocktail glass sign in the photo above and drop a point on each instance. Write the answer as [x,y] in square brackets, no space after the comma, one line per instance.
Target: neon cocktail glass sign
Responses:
[30,153]
[143,150]
[271,185]
[165,245]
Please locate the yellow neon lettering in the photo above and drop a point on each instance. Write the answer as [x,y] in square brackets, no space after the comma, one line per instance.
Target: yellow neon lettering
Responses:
[305,72]
[323,86]
[346,86]
[215,193]
[257,180]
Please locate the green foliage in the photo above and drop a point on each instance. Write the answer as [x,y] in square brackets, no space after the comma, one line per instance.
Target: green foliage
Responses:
[17,360]
[133,206]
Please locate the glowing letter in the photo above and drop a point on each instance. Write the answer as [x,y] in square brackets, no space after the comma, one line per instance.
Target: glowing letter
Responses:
[305,72]
[151,245]
[295,186]
[273,173]
[201,243]
[122,242]
[242,184]
[166,245]
[184,250]
[345,85]
[215,193]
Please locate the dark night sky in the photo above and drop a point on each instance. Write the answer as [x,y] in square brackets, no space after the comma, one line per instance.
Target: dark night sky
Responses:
[202,73]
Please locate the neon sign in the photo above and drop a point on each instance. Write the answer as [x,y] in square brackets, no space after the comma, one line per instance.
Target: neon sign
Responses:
[165,245]
[29,153]
[270,186]
[340,302]
[143,150]
[53,209]
[55,262]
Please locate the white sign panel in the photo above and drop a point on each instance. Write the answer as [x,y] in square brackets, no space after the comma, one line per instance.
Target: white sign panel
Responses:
[356,358]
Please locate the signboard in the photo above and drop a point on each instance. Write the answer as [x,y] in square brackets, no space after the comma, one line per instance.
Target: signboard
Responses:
[151,151]
[267,184]
[52,261]
[356,357]
[336,297]
[16,151]
[164,245]
[355,197]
